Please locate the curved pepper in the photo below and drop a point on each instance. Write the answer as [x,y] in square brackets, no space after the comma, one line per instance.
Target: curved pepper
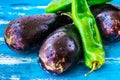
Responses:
[92,44]
[65,5]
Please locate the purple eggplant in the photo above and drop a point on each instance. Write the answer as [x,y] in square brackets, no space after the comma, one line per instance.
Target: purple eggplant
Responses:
[26,33]
[60,49]
[108,21]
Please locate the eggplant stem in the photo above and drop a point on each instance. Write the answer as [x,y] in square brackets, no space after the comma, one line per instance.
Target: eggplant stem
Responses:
[93,68]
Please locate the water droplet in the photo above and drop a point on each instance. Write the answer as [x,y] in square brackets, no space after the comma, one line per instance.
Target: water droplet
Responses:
[47,56]
[58,36]
[69,45]
[51,54]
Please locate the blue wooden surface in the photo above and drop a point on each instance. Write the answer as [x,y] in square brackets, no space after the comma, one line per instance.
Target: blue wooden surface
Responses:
[14,66]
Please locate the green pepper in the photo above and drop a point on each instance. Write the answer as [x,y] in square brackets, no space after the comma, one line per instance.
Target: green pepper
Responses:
[84,21]
[65,5]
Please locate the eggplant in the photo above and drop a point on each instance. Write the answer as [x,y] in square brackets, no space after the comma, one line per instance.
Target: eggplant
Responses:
[60,50]
[108,20]
[28,32]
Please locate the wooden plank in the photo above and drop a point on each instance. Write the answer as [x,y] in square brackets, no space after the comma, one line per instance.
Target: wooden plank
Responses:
[17,66]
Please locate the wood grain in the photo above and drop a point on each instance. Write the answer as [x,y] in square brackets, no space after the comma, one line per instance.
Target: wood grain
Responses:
[16,66]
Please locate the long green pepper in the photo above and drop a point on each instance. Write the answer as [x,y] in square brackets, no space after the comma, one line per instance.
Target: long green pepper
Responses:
[84,21]
[65,5]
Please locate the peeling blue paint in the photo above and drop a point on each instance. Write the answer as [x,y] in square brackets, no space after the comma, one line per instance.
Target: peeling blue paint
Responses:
[15,66]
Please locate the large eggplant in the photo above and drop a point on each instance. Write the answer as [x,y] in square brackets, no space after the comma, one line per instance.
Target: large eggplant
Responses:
[60,49]
[108,21]
[26,33]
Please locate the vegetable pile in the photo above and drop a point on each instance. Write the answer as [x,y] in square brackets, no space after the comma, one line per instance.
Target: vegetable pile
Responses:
[69,29]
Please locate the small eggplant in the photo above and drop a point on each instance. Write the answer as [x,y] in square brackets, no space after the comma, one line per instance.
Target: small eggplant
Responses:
[25,33]
[108,21]
[60,49]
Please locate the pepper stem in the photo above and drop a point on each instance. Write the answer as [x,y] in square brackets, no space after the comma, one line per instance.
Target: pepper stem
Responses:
[94,66]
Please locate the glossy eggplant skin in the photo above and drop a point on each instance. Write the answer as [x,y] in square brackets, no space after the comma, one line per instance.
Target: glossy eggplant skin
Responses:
[108,20]
[26,33]
[60,49]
